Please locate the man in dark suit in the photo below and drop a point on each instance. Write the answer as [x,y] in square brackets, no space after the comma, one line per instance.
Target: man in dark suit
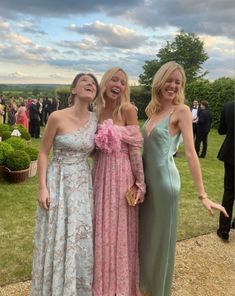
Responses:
[34,120]
[226,154]
[203,128]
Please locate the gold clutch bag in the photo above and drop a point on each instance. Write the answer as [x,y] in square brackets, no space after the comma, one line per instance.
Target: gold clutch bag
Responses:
[131,195]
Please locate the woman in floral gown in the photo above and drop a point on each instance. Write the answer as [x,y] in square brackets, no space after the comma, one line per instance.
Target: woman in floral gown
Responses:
[117,167]
[63,251]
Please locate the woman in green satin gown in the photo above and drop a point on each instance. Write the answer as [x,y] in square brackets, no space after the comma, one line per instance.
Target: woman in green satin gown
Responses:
[169,120]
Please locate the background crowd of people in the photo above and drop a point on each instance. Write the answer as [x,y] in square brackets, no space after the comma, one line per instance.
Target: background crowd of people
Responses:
[31,113]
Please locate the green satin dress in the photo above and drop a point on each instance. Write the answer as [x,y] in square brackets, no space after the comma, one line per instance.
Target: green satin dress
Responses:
[158,213]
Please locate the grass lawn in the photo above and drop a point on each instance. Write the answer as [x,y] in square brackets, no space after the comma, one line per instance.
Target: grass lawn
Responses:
[18,204]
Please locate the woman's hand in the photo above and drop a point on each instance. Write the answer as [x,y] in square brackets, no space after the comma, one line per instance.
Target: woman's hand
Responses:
[210,205]
[44,199]
[139,196]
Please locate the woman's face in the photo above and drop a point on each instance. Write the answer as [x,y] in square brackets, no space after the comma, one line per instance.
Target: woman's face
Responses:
[116,86]
[172,86]
[85,88]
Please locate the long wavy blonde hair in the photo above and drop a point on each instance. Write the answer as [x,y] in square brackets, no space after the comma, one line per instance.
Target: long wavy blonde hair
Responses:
[159,80]
[124,98]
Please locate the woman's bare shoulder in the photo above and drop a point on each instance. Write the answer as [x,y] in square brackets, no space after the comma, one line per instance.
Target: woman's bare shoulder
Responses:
[60,113]
[56,116]
[182,107]
[128,108]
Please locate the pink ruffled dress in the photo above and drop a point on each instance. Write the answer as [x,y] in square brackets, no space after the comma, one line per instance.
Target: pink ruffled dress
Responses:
[117,166]
[21,117]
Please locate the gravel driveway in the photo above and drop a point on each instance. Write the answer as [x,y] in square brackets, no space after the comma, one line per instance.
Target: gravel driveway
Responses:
[205,266]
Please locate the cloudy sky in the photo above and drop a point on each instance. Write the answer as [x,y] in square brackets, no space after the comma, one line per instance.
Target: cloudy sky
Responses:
[49,41]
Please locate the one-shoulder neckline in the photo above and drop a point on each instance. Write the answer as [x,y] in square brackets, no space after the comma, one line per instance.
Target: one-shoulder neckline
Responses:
[81,128]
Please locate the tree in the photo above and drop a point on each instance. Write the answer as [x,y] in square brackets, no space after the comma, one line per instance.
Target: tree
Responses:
[186,49]
[63,94]
[150,68]
[35,92]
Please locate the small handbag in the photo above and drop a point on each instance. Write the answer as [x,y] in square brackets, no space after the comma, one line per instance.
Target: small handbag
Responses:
[131,195]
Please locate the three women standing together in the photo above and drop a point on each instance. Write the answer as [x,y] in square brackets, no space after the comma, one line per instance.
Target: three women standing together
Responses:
[67,231]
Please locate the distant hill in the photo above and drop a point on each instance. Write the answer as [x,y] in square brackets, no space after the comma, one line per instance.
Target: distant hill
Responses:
[29,87]
[30,90]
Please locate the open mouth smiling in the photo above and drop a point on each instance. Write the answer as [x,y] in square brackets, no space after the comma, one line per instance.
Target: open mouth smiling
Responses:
[115,90]
[88,88]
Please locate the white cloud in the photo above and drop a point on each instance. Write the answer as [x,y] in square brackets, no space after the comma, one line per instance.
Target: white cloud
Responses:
[16,75]
[85,44]
[4,26]
[19,39]
[109,35]
[30,27]
[221,44]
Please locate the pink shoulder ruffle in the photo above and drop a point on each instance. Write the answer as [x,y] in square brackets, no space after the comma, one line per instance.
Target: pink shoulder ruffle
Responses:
[131,135]
[108,137]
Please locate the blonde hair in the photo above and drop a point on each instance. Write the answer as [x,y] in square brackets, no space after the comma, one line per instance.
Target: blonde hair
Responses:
[124,98]
[159,80]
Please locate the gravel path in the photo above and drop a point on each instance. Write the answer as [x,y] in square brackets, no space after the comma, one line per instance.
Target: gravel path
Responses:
[205,266]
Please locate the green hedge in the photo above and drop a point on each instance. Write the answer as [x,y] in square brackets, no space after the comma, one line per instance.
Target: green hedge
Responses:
[140,97]
[63,94]
[216,93]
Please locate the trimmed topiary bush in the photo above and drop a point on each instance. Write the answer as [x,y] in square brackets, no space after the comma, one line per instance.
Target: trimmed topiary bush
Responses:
[5,135]
[32,152]
[25,135]
[5,149]
[17,143]
[23,131]
[19,127]
[17,160]
[4,128]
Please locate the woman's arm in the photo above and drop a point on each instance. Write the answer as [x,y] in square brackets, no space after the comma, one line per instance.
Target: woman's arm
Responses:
[46,144]
[130,115]
[185,125]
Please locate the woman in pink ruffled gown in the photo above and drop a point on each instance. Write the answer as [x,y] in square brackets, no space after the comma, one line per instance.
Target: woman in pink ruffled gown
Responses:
[117,167]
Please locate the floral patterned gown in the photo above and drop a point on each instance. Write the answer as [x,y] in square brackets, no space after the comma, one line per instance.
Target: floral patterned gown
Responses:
[117,166]
[63,252]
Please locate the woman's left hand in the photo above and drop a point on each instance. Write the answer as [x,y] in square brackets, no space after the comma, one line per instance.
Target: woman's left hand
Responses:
[139,196]
[210,205]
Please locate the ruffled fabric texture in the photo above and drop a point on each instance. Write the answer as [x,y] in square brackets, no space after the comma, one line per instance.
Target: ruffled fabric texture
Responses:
[116,266]
[109,136]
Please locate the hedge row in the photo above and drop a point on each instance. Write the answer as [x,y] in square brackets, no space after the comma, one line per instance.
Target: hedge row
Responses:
[216,93]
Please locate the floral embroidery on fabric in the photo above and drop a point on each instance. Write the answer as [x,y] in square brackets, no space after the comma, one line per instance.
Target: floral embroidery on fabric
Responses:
[63,242]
